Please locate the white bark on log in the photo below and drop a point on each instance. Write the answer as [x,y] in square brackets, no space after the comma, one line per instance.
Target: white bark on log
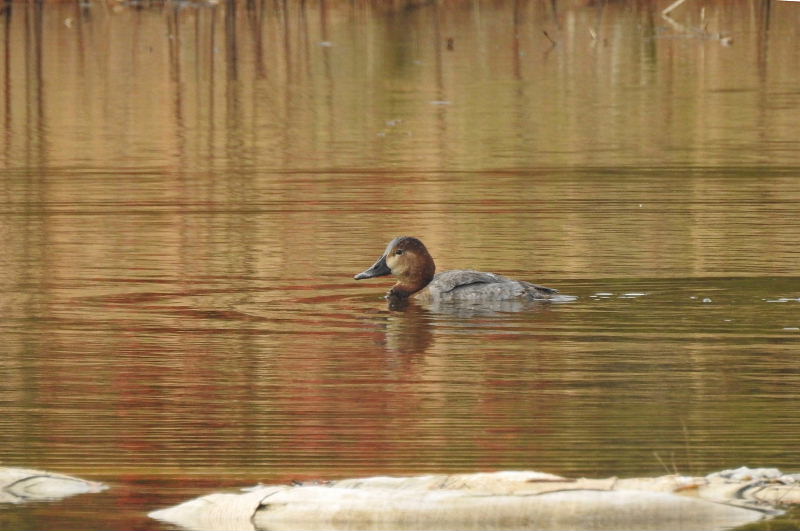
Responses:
[19,485]
[502,500]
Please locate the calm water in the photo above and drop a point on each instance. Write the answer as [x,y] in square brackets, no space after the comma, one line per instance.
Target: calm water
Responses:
[187,190]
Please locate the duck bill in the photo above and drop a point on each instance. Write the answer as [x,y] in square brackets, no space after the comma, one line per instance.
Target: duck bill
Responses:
[378,269]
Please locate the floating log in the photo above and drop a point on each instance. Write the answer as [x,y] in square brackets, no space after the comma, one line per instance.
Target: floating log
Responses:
[500,500]
[19,485]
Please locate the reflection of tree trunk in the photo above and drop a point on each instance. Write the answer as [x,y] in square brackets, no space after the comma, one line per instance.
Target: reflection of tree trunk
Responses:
[762,38]
[5,13]
[516,29]
[255,11]
[762,52]
[231,52]
[173,44]
[36,125]
[441,88]
[232,126]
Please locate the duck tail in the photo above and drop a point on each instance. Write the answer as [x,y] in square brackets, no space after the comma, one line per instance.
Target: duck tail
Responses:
[539,292]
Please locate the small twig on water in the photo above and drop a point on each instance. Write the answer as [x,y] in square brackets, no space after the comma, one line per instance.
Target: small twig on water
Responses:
[552,42]
[672,6]
[666,468]
[701,31]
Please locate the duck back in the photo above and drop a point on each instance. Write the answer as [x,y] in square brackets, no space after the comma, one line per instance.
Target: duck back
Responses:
[475,286]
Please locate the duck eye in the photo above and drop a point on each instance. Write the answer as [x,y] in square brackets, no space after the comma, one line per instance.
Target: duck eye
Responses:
[399,251]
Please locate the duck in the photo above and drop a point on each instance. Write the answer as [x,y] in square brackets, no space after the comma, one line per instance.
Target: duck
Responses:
[407,258]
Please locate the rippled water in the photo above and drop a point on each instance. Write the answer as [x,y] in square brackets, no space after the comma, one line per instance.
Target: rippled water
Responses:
[188,189]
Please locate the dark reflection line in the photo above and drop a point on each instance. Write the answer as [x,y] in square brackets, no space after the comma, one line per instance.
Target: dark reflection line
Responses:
[441,89]
[5,13]
[326,59]
[283,10]
[231,45]
[437,43]
[176,71]
[554,10]
[649,26]
[327,69]
[173,44]
[763,18]
[34,36]
[255,9]
[289,85]
[762,41]
[211,124]
[83,16]
[304,38]
[516,28]
[233,106]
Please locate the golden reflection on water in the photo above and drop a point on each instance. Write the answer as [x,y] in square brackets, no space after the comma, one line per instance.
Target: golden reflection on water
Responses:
[336,85]
[188,188]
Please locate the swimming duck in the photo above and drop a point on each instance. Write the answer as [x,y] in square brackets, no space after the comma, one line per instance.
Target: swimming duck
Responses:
[408,259]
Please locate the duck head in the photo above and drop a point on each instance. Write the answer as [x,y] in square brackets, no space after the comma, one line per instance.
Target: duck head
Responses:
[407,259]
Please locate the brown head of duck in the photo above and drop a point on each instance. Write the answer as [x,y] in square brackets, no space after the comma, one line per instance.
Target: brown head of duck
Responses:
[407,259]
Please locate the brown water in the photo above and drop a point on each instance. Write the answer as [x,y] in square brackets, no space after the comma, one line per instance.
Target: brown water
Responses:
[187,190]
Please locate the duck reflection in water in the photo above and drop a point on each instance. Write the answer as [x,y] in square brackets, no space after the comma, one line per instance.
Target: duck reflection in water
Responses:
[407,331]
[408,259]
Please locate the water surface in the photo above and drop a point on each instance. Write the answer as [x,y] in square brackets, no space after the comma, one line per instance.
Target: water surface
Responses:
[187,190]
